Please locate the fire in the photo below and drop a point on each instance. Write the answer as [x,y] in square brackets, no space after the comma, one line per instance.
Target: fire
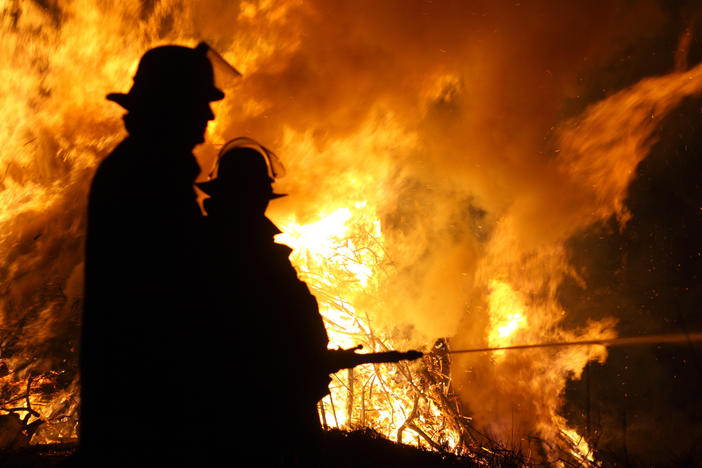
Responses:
[418,215]
[506,312]
[326,240]
[581,449]
[340,256]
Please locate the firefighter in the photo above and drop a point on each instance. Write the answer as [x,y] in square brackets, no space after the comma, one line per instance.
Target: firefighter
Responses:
[142,280]
[272,314]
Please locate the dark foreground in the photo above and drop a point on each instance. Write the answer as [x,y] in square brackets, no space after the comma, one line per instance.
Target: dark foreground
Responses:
[342,449]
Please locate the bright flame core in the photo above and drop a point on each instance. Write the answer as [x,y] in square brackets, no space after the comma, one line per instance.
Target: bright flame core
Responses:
[341,270]
[506,312]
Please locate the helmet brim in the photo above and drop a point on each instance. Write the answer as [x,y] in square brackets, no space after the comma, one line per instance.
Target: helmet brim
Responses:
[121,99]
[129,101]
[214,187]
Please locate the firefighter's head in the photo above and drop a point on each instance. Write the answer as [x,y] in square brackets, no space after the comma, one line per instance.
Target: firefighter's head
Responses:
[171,94]
[245,173]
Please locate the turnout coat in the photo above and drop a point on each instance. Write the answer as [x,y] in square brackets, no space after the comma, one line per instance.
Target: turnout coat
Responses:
[142,287]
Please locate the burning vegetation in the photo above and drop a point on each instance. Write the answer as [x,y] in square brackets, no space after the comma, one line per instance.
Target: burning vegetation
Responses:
[435,178]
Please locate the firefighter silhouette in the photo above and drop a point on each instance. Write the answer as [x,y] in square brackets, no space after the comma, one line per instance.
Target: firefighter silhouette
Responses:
[271,316]
[143,285]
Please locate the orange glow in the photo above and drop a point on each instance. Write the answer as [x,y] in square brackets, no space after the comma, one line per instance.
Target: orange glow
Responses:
[425,202]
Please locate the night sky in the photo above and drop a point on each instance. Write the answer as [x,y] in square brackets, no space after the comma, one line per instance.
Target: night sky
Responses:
[645,404]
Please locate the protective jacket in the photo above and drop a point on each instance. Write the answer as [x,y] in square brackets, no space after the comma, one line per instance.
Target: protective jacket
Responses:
[142,286]
[274,321]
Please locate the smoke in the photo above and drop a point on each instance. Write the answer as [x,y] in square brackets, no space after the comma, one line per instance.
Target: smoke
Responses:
[450,117]
[481,186]
[476,86]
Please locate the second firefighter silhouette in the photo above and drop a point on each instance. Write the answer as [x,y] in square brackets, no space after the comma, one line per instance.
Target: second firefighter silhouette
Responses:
[273,320]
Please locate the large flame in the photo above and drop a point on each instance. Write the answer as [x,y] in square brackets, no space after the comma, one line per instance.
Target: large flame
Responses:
[426,203]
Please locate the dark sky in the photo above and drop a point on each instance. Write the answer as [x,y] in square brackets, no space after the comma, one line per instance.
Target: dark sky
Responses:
[645,402]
